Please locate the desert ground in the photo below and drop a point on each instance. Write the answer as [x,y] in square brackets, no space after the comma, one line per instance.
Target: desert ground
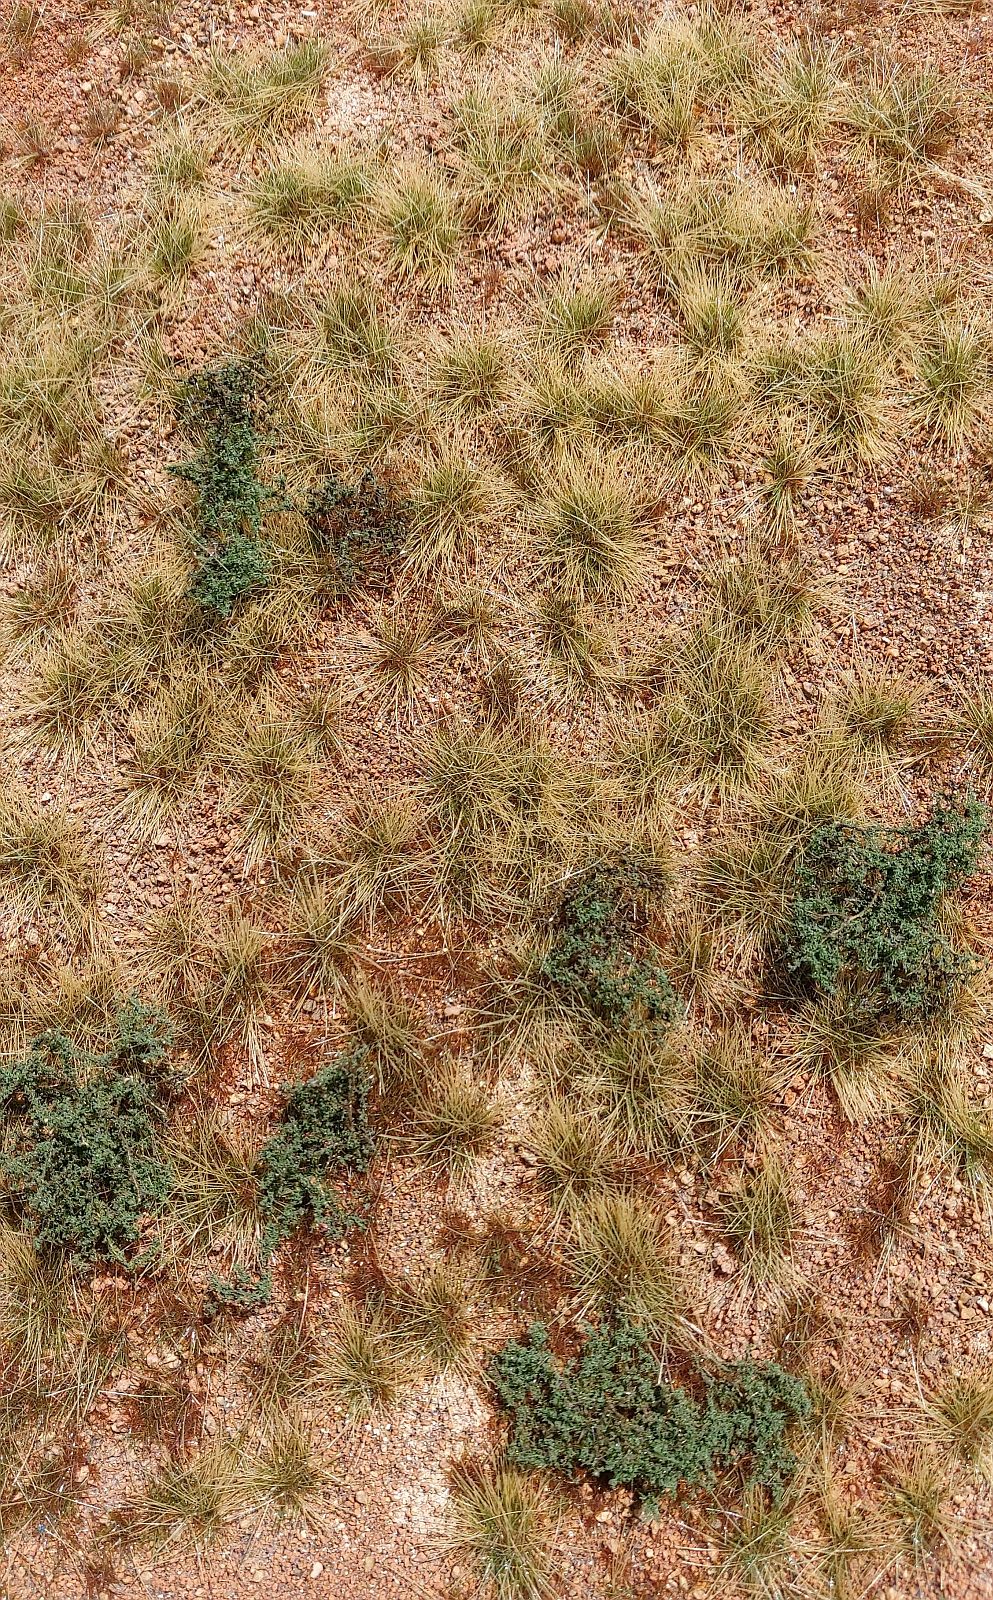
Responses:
[497,738]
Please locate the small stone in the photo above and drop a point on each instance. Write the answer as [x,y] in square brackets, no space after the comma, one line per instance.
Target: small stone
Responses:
[316,1570]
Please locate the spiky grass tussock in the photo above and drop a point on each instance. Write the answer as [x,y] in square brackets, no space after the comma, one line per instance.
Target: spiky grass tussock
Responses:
[794,456]
[714,726]
[40,1306]
[759,1216]
[186,1504]
[840,1039]
[576,318]
[295,202]
[623,1259]
[758,1544]
[874,715]
[455,502]
[659,83]
[375,866]
[40,608]
[355,328]
[455,1121]
[639,1090]
[820,785]
[235,994]
[391,1029]
[749,233]
[419,217]
[472,374]
[954,369]
[710,309]
[361,1367]
[504,160]
[958,1417]
[951,1133]
[698,957]
[72,701]
[47,864]
[918,1506]
[290,1474]
[399,652]
[320,950]
[214,1208]
[434,1318]
[503,1524]
[903,118]
[787,107]
[852,1544]
[170,739]
[254,100]
[575,1152]
[772,598]
[270,780]
[735,1097]
[589,521]
[577,647]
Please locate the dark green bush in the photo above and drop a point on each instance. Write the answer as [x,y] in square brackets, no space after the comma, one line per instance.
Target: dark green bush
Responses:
[83,1165]
[324,1128]
[594,956]
[357,528]
[867,908]
[607,1413]
[219,408]
[228,572]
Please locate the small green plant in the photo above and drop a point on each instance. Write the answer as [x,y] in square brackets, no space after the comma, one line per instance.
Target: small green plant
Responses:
[356,529]
[607,1412]
[240,1292]
[84,1166]
[324,1126]
[867,906]
[219,406]
[593,958]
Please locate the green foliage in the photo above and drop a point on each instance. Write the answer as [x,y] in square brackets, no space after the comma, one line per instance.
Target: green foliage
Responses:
[608,1413]
[219,407]
[240,1292]
[867,908]
[228,571]
[594,959]
[83,1163]
[358,528]
[324,1127]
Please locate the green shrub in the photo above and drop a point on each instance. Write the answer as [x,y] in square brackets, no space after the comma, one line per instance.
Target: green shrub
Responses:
[606,1412]
[229,571]
[324,1127]
[83,1165]
[867,909]
[357,528]
[240,1292]
[219,408]
[594,958]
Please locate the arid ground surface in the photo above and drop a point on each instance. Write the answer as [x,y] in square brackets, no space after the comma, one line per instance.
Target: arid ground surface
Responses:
[676,382]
